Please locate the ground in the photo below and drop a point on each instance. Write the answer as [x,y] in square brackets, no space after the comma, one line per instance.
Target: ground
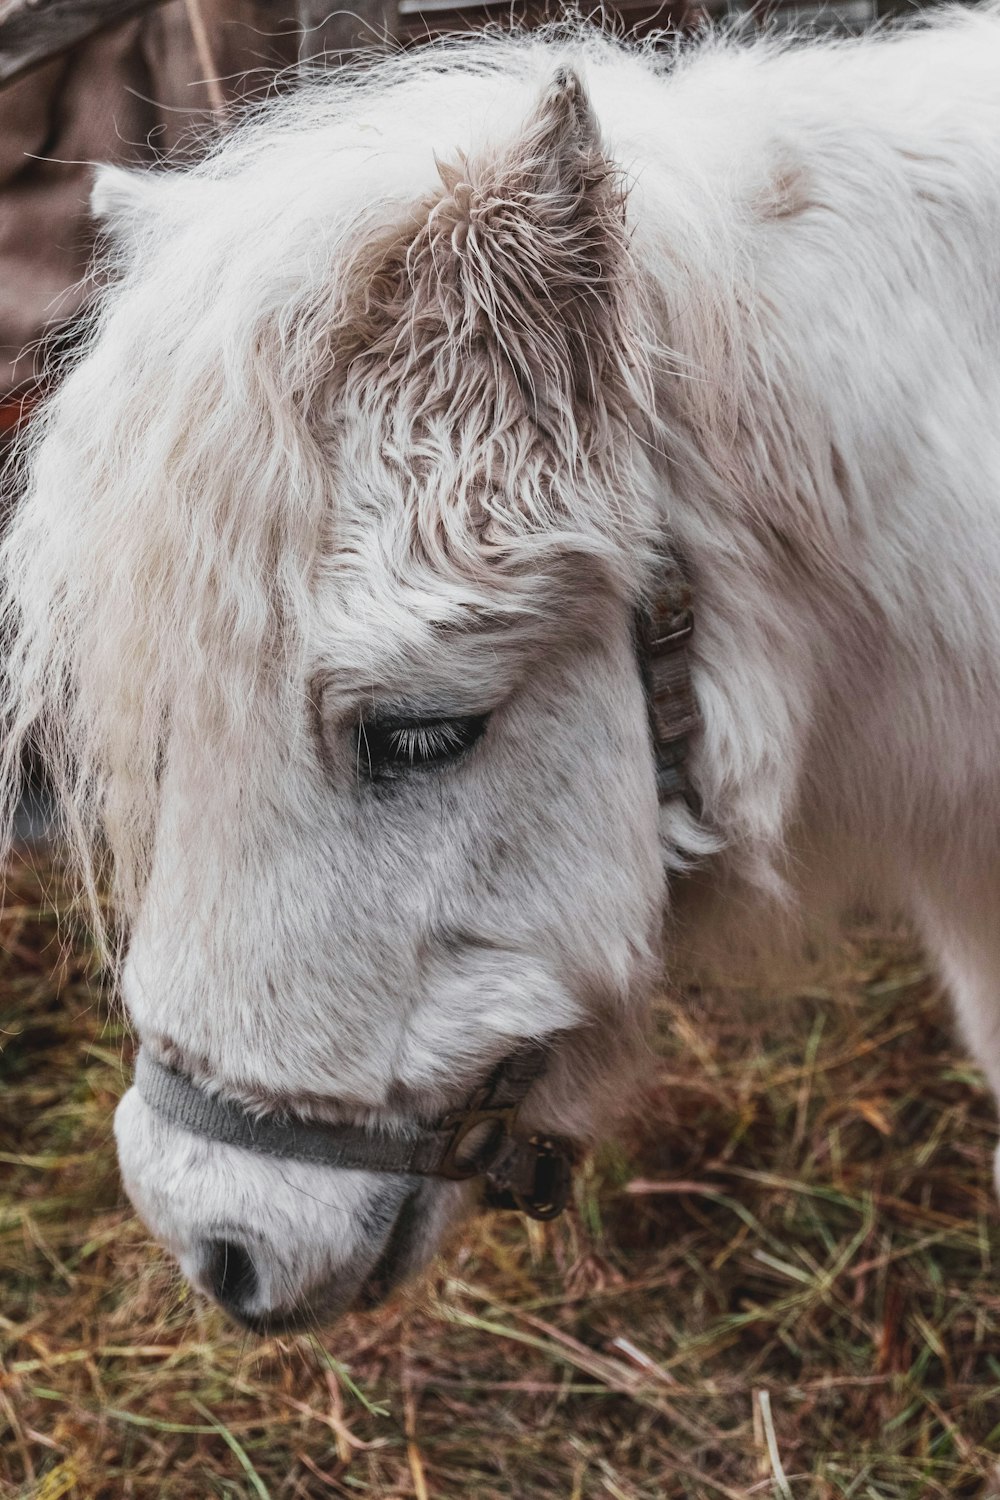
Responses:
[783,1281]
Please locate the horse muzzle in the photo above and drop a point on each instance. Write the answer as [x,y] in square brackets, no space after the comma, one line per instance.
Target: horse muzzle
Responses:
[279,1244]
[240,1278]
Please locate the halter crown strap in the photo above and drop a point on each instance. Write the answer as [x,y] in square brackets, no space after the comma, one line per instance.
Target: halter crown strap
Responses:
[530,1173]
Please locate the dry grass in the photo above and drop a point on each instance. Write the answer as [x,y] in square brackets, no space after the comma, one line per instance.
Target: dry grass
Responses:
[785,1285]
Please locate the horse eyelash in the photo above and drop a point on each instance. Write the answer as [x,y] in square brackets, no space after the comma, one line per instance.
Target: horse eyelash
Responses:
[387,749]
[419,742]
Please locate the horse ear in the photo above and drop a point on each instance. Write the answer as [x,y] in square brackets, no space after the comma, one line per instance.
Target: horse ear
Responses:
[122,199]
[559,157]
[540,236]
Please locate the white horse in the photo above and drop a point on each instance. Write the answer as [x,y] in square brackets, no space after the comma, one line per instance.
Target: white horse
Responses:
[320,599]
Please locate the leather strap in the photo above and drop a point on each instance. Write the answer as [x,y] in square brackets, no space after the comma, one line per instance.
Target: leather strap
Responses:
[530,1173]
[663,631]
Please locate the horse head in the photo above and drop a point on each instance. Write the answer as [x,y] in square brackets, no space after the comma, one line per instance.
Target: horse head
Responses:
[322,600]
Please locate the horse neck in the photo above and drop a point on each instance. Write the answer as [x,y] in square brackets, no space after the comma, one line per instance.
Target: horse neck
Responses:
[826,403]
[846,662]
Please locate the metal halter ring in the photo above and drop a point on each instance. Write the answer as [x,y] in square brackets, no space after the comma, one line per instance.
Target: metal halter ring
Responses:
[461,1125]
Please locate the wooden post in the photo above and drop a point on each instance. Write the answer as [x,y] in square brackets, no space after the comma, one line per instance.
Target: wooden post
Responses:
[334,30]
[32,31]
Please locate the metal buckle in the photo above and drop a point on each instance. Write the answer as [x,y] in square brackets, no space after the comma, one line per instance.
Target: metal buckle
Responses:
[553,1180]
[551,1185]
[461,1126]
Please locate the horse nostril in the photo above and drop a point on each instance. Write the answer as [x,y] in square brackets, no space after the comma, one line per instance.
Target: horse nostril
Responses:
[231,1274]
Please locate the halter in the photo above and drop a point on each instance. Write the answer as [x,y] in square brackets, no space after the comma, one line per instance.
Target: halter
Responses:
[531,1173]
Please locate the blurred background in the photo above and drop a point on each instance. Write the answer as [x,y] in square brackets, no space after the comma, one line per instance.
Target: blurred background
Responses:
[783,1280]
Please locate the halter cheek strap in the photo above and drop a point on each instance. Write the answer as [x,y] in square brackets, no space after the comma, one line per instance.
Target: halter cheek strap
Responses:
[663,632]
[530,1173]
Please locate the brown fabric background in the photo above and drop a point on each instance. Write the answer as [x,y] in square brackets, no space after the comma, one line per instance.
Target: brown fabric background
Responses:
[134,96]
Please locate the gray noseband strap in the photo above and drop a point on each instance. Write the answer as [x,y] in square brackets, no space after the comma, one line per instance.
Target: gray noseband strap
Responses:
[526,1172]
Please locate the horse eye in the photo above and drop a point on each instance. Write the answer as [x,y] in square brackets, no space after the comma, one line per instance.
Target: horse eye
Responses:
[392,747]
